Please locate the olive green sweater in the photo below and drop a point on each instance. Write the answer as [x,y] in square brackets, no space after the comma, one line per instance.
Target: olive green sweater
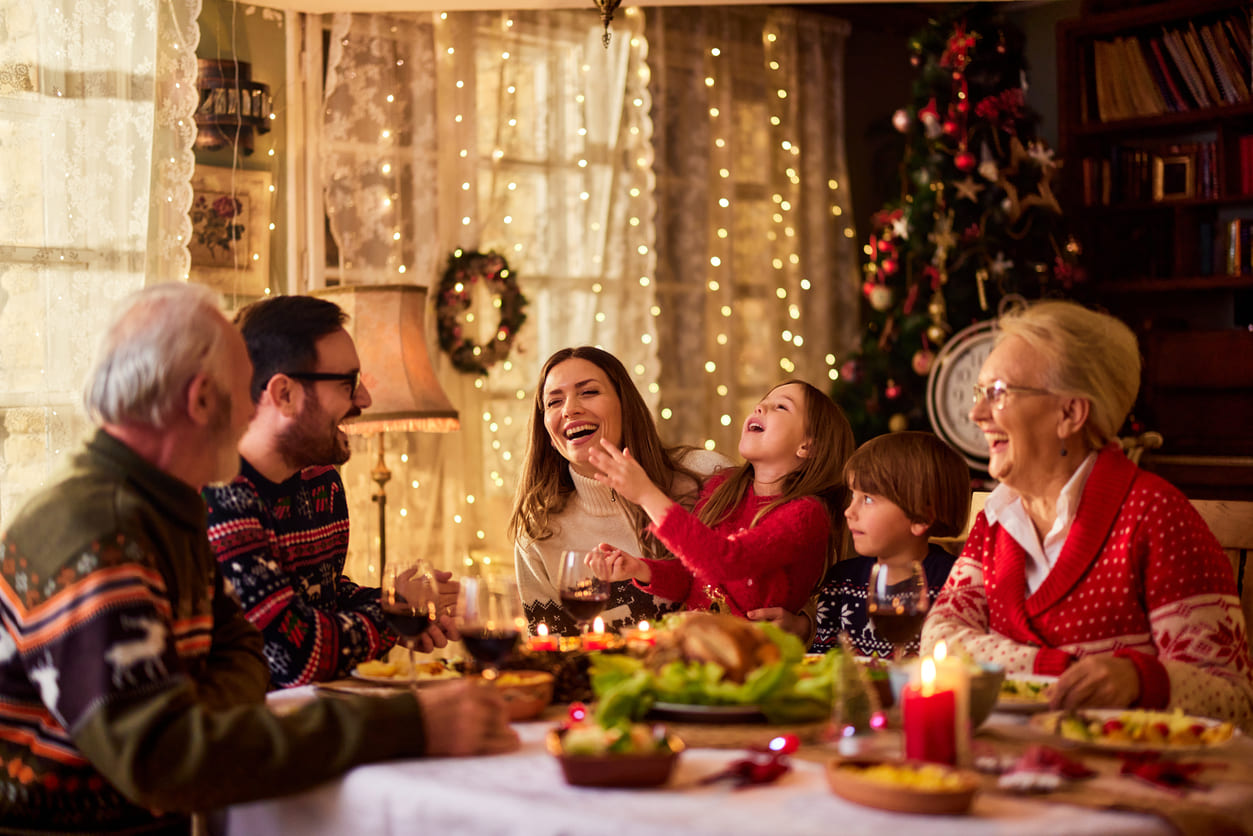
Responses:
[131,687]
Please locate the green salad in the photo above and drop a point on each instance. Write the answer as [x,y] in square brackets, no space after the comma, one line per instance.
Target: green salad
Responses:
[792,689]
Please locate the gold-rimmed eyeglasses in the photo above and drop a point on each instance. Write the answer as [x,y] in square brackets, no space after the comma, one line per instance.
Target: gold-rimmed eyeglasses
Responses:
[994,393]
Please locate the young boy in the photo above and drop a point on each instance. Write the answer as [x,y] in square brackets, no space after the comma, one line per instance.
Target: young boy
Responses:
[906,487]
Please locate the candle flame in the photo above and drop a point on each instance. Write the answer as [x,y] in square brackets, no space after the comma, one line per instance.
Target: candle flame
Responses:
[941,651]
[644,626]
[928,677]
[598,626]
[541,630]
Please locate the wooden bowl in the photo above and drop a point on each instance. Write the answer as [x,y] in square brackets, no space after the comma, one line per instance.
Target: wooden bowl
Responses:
[847,781]
[526,693]
[630,771]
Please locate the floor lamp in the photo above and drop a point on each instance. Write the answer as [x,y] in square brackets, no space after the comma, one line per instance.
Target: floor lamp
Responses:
[386,323]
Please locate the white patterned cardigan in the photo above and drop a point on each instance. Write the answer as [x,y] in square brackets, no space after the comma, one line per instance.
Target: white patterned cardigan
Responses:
[1140,576]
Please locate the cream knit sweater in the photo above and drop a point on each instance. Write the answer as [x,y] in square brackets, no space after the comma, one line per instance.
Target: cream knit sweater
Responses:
[593,516]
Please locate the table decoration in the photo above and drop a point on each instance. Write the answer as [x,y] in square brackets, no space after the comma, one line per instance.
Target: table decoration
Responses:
[597,638]
[929,719]
[620,755]
[1136,730]
[764,764]
[526,693]
[952,673]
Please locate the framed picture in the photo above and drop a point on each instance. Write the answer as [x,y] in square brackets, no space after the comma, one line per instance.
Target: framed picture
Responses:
[230,229]
[1173,177]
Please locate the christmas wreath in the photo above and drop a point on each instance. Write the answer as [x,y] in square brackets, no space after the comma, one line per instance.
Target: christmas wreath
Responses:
[455,292]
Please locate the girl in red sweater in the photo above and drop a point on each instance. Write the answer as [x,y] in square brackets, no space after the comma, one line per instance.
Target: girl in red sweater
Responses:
[762,534]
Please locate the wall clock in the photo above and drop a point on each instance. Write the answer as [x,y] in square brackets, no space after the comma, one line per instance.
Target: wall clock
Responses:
[950,390]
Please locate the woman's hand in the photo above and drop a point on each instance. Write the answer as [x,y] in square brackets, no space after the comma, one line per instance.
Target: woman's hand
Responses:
[1096,682]
[619,470]
[616,565]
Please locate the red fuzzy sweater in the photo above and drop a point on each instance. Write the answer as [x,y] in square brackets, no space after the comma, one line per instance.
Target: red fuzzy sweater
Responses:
[776,563]
[1140,575]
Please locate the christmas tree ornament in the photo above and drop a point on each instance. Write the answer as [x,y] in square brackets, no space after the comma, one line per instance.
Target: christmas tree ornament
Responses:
[965,161]
[881,297]
[898,423]
[850,372]
[888,265]
[937,334]
[950,128]
[892,391]
[901,120]
[921,361]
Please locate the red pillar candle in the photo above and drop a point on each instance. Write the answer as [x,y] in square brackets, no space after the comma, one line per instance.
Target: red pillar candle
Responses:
[541,640]
[929,719]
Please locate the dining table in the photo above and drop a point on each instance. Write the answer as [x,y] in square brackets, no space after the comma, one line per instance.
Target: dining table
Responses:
[523,793]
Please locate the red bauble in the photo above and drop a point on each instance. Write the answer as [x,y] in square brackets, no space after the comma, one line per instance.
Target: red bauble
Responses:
[893,391]
[965,161]
[921,361]
[963,106]
[950,127]
[888,265]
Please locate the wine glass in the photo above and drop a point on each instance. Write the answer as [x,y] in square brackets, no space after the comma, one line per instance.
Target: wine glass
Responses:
[409,599]
[582,593]
[897,602]
[490,620]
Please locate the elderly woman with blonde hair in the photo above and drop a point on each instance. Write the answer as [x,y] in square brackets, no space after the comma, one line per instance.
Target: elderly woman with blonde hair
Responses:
[1081,565]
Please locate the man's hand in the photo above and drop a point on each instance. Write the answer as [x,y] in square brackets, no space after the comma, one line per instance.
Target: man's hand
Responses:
[1096,682]
[795,623]
[613,564]
[465,718]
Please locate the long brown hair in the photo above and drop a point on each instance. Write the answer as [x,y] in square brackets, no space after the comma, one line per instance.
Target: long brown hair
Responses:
[546,486]
[820,474]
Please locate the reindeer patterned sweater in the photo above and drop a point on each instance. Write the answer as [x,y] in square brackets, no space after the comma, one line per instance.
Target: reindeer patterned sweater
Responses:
[281,549]
[129,682]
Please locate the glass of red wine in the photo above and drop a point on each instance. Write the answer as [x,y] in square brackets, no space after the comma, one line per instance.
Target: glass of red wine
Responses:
[409,598]
[896,601]
[583,594]
[490,620]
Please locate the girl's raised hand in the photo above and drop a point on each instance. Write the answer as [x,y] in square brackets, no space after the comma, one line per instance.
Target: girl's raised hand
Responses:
[619,470]
[616,565]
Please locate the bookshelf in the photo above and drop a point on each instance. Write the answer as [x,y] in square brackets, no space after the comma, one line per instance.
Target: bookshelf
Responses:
[1156,128]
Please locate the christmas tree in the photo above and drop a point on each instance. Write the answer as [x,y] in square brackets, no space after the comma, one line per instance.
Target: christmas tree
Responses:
[976,220]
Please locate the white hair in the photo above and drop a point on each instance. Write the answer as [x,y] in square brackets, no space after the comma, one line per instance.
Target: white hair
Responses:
[160,338]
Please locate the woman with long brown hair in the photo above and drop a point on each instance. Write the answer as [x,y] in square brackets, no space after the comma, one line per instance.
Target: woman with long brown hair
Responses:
[585,395]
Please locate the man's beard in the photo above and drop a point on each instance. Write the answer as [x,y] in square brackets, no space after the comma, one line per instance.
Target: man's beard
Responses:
[313,439]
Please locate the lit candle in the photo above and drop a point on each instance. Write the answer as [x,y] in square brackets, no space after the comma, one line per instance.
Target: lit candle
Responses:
[951,674]
[641,636]
[596,640]
[929,719]
[541,640]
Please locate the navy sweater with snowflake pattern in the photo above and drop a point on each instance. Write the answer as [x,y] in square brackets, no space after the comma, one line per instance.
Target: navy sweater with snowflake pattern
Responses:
[281,548]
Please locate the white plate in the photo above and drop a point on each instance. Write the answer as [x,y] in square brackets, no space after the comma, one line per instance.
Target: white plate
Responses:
[686,713]
[1010,704]
[1047,723]
[402,680]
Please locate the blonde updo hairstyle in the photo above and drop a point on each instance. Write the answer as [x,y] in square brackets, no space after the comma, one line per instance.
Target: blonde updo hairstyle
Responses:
[1088,355]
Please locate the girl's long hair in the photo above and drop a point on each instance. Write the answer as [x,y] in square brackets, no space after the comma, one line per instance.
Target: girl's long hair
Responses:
[820,474]
[546,486]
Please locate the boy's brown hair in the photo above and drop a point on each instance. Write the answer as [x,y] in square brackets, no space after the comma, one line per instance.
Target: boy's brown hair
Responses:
[918,473]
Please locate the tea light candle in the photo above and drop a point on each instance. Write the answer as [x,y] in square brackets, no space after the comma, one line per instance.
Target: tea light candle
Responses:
[541,640]
[596,640]
[929,719]
[643,635]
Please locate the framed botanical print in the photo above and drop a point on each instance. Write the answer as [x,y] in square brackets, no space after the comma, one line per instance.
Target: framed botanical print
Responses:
[230,229]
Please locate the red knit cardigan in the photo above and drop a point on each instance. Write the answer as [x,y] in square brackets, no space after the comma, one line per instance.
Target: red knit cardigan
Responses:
[1140,576]
[776,563]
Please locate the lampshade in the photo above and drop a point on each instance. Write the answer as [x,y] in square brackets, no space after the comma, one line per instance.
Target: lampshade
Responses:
[386,323]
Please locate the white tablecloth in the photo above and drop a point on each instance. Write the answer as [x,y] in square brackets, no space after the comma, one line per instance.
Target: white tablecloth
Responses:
[523,794]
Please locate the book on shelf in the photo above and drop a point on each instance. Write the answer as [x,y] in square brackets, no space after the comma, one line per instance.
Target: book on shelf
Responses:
[1193,42]
[1239,243]
[1175,46]
[1226,55]
[1218,69]
[1148,97]
[1205,248]
[1173,83]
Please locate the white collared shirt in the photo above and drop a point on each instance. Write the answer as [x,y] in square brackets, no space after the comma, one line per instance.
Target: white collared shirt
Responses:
[1004,505]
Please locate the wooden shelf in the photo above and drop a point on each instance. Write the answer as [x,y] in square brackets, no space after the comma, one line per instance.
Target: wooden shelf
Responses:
[1167,122]
[1177,283]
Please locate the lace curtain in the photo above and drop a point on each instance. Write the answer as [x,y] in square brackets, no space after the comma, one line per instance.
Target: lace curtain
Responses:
[758,270]
[96,104]
[518,133]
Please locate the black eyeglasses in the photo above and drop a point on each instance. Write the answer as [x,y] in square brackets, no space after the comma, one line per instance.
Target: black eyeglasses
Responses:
[994,393]
[353,379]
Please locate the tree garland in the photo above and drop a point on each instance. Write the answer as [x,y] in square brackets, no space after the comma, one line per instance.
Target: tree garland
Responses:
[453,298]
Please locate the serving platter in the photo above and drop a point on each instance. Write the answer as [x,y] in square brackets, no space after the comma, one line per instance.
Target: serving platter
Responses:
[688,713]
[849,780]
[1051,723]
[1029,703]
[402,680]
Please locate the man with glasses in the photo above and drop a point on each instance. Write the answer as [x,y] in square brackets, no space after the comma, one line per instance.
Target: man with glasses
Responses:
[280,529]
